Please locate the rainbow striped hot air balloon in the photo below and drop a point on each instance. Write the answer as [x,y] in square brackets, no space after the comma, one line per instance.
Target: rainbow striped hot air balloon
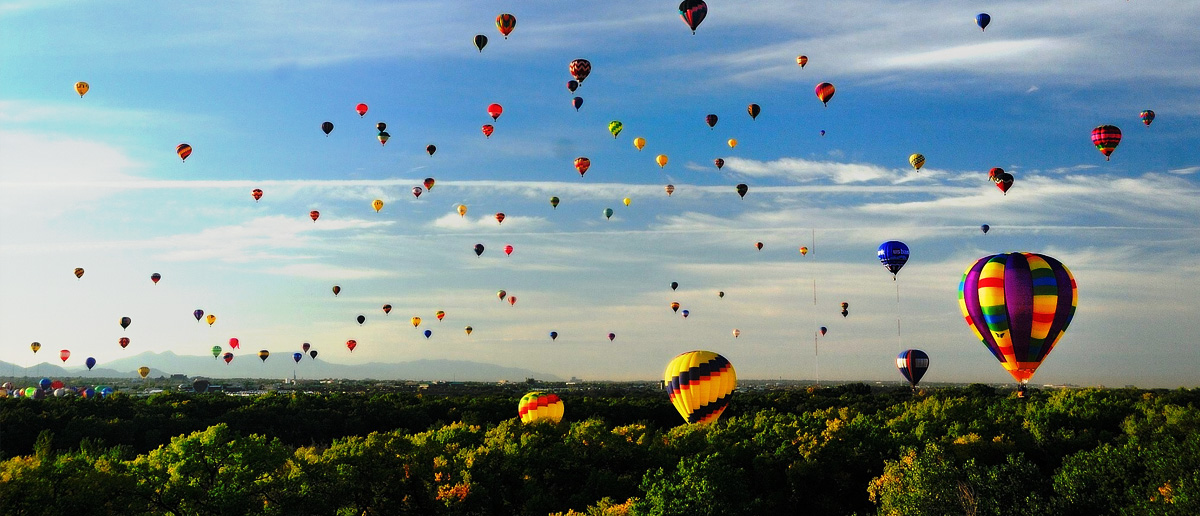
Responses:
[1106,138]
[1018,305]
[540,406]
[700,384]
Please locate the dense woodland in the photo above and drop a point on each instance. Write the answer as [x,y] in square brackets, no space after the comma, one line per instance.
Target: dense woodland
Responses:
[847,450]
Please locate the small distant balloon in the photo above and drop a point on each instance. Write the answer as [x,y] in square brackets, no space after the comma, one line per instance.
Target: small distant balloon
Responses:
[754,110]
[441,314]
[198,314]
[297,356]
[480,42]
[719,163]
[661,159]
[554,202]
[234,343]
[674,285]
[732,142]
[580,69]
[90,363]
[615,127]
[572,85]
[314,215]
[499,218]
[387,309]
[183,150]
[416,321]
[125,322]
[327,127]
[350,344]
[505,23]
[361,109]
[377,204]
[1106,138]
[487,130]
[611,336]
[210,319]
[1147,116]
[759,245]
[553,335]
[64,355]
[685,313]
[468,329]
[608,213]
[824,92]
[495,110]
[824,330]
[143,371]
[639,142]
[711,120]
[82,88]
[337,289]
[693,13]
[736,333]
[123,342]
[313,354]
[79,272]
[383,137]
[801,60]
[256,193]
[228,357]
[462,210]
[742,189]
[431,148]
[428,333]
[361,319]
[508,249]
[417,191]
[670,189]
[582,165]
[155,277]
[577,103]
[803,251]
[893,255]
[512,300]
[985,228]
[982,20]
[626,201]
[917,161]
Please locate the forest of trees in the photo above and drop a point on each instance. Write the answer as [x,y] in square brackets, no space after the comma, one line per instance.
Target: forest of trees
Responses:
[847,450]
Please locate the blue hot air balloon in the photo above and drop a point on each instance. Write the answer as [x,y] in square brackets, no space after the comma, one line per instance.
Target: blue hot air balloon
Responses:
[912,363]
[553,335]
[45,383]
[297,356]
[893,254]
[428,333]
[983,19]
[985,228]
[90,363]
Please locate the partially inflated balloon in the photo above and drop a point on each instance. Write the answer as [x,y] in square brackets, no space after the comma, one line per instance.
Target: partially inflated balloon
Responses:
[327,127]
[377,204]
[82,88]
[506,23]
[912,363]
[824,92]
[1018,305]
[917,161]
[580,69]
[893,255]
[1106,138]
[614,127]
[639,142]
[540,406]
[661,159]
[480,42]
[700,384]
[693,12]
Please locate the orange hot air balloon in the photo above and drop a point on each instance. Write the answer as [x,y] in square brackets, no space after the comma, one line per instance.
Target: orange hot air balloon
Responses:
[82,88]
[377,204]
[824,92]
[361,109]
[314,215]
[499,218]
[487,130]
[429,182]
[183,150]
[506,23]
[351,344]
[468,329]
[801,60]
[803,251]
[256,194]
[512,300]
[210,319]
[661,159]
[416,321]
[462,210]
[582,164]
[144,371]
[495,110]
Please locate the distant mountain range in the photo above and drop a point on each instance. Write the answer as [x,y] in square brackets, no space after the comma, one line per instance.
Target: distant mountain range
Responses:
[280,366]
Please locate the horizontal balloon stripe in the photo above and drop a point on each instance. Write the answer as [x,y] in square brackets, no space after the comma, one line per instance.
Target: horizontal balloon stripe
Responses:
[710,411]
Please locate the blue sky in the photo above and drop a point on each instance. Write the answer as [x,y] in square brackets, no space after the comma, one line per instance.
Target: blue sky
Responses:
[95,182]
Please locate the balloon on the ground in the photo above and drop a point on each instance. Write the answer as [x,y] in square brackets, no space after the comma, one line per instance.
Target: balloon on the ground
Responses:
[540,406]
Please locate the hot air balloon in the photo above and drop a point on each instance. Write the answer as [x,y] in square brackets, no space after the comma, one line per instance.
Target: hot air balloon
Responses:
[917,161]
[499,218]
[759,246]
[801,60]
[711,120]
[383,137]
[611,336]
[893,254]
[661,159]
[494,111]
[487,130]
[736,333]
[416,191]
[377,204]
[732,142]
[304,347]
[501,295]
[700,384]
[314,215]
[582,164]
[234,343]
[125,322]
[462,210]
[554,202]
[431,148]
[506,23]
[440,314]
[79,272]
[64,355]
[263,354]
[845,313]
[822,132]
[297,356]
[685,314]
[985,228]
[512,300]
[256,194]
[572,85]
[200,385]
[1147,116]
[82,88]
[416,321]
[468,329]
[983,19]
[553,335]
[719,163]
[480,42]
[380,126]
[823,331]
[670,189]
[754,110]
[210,319]
[183,150]
[742,189]
[675,307]
[123,342]
[35,346]
[336,290]
[1004,182]
[693,12]
[361,319]
[639,142]
[155,277]
[351,344]
[1018,305]
[313,354]
[508,249]
[674,285]
[90,363]
[721,294]
[912,363]
[626,201]
[803,251]
[216,351]
[144,371]
[614,127]
[327,127]
[1106,138]
[361,109]
[428,333]
[577,102]
[540,406]
[198,314]
[845,305]
[228,357]
[387,309]
[580,69]
[824,92]
[608,213]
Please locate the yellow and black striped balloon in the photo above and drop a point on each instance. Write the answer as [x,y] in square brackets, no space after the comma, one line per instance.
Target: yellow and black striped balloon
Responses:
[540,406]
[700,384]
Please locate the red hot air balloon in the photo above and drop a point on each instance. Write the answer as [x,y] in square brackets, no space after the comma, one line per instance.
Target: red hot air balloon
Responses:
[123,341]
[351,344]
[314,215]
[508,249]
[234,343]
[416,191]
[512,300]
[499,218]
[361,109]
[487,130]
[494,111]
[693,12]
[183,150]
[228,357]
[64,354]
[824,92]
[256,194]
[155,277]
[994,174]
[580,68]
[1106,138]
[801,60]
[582,164]
[429,182]
[305,347]
[1004,182]
[506,23]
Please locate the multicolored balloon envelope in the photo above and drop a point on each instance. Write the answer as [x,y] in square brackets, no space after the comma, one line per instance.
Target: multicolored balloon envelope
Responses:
[700,384]
[540,406]
[912,363]
[1106,138]
[1018,305]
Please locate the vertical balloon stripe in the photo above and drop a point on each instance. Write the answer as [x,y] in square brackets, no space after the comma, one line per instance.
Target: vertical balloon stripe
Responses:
[1018,302]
